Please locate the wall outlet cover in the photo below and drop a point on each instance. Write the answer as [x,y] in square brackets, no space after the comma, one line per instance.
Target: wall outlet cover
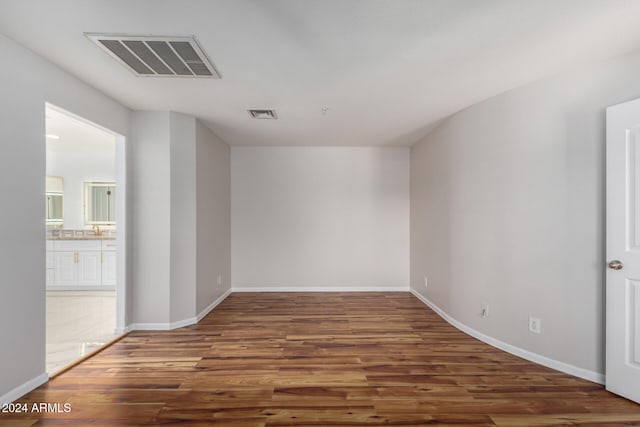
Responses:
[535,325]
[484,310]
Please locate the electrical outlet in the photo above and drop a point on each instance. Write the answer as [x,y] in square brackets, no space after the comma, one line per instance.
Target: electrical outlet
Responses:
[535,325]
[219,279]
[425,281]
[484,310]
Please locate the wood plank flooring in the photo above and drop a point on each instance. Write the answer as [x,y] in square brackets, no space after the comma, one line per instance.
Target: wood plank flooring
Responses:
[319,359]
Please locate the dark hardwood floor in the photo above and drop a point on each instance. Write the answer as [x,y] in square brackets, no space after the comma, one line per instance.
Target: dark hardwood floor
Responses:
[319,359]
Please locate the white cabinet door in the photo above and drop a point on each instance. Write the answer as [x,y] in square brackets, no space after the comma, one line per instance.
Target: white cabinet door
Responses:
[51,277]
[89,268]
[66,273]
[109,268]
[81,264]
[51,267]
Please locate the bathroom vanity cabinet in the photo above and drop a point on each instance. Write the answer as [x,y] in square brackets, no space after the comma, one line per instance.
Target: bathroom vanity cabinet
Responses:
[81,264]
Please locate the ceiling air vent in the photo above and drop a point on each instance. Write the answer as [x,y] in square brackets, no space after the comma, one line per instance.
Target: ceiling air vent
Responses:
[157,56]
[263,114]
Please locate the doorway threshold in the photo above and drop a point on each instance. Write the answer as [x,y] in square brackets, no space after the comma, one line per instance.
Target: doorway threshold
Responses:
[87,356]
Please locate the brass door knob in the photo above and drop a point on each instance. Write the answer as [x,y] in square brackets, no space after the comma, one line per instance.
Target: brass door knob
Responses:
[616,265]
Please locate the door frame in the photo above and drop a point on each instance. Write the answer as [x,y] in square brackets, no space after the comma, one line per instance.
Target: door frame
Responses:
[121,215]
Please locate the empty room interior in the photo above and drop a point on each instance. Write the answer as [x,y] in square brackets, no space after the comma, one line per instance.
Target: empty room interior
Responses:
[327,213]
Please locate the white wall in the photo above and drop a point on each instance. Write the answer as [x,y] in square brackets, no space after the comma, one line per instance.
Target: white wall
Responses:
[27,85]
[508,209]
[183,216]
[312,217]
[181,223]
[213,203]
[151,220]
[77,167]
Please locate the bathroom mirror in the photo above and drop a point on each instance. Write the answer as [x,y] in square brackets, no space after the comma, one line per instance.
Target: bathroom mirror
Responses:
[100,203]
[54,209]
[54,201]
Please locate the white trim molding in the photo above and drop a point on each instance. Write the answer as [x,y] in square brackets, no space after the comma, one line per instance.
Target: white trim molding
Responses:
[517,351]
[180,323]
[23,389]
[163,326]
[150,327]
[124,330]
[323,289]
[213,305]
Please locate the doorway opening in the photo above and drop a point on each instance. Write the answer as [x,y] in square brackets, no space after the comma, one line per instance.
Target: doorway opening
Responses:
[84,237]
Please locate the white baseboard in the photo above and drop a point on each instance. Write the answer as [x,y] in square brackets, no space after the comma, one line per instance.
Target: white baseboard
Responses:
[167,326]
[162,326]
[149,327]
[180,323]
[120,331]
[323,289]
[520,352]
[23,389]
[213,305]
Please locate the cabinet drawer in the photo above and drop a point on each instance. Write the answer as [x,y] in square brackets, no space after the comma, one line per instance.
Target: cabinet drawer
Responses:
[108,245]
[78,245]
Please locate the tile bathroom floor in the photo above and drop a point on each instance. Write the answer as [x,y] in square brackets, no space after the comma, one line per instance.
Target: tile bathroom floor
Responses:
[78,322]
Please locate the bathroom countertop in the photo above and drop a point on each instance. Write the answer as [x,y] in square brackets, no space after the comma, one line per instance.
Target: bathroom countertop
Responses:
[71,234]
[81,238]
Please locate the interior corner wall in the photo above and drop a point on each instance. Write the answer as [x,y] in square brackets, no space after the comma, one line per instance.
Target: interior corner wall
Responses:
[507,209]
[318,218]
[151,221]
[182,229]
[164,223]
[213,217]
[27,85]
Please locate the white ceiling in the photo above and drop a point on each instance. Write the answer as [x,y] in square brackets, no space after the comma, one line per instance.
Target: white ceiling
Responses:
[385,70]
[67,133]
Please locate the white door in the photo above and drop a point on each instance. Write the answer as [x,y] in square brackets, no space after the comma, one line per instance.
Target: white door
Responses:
[623,250]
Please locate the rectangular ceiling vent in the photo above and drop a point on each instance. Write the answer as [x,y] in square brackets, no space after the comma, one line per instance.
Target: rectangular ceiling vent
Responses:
[263,114]
[157,56]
